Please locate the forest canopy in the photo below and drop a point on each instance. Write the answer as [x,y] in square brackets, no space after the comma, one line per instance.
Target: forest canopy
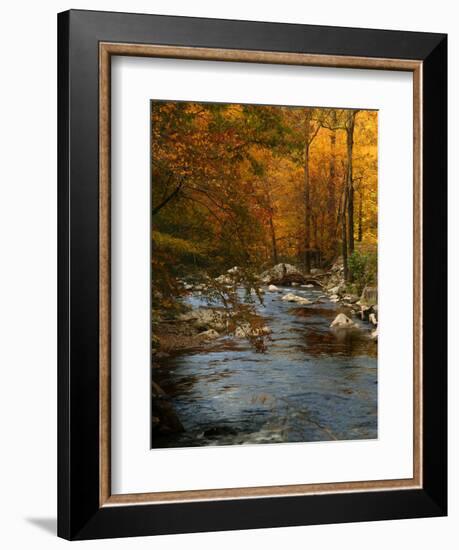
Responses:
[253,186]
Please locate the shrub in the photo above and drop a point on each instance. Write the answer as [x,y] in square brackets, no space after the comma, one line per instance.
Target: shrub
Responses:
[363,269]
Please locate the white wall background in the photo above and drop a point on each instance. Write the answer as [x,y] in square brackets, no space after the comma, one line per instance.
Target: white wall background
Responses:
[28,271]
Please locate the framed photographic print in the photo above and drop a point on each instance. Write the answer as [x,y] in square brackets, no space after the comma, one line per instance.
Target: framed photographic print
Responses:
[252,274]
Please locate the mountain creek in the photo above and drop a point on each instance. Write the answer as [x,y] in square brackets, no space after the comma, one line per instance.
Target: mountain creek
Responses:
[313,383]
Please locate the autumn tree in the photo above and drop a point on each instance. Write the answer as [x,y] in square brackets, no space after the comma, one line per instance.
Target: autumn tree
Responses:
[252,186]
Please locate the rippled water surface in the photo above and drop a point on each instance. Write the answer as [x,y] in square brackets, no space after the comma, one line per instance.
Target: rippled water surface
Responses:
[313,383]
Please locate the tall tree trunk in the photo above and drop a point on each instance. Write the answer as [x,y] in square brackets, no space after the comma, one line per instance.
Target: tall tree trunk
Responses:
[323,221]
[272,229]
[299,247]
[331,187]
[273,240]
[316,233]
[360,232]
[350,216]
[349,183]
[306,193]
[344,236]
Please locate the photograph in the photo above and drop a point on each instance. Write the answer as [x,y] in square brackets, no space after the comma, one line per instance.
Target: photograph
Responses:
[264,274]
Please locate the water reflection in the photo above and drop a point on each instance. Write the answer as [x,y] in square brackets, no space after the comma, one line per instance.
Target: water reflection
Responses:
[313,384]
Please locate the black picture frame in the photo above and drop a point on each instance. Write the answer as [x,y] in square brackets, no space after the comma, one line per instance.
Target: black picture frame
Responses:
[80,515]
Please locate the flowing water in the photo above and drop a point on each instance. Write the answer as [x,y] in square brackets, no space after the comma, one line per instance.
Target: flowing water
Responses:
[313,383]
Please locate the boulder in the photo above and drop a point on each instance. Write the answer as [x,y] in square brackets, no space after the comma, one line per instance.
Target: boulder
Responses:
[374,334]
[343,321]
[262,330]
[338,265]
[210,334]
[273,288]
[223,280]
[350,298]
[205,319]
[366,313]
[369,295]
[282,274]
[303,301]
[316,271]
[240,332]
[337,289]
[290,297]
[246,330]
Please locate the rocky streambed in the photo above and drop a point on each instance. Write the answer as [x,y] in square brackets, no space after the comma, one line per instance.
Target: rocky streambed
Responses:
[316,380]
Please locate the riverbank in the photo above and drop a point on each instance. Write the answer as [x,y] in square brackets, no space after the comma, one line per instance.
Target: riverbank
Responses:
[202,324]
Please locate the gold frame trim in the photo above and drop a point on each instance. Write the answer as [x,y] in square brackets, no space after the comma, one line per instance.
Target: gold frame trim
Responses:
[106,51]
